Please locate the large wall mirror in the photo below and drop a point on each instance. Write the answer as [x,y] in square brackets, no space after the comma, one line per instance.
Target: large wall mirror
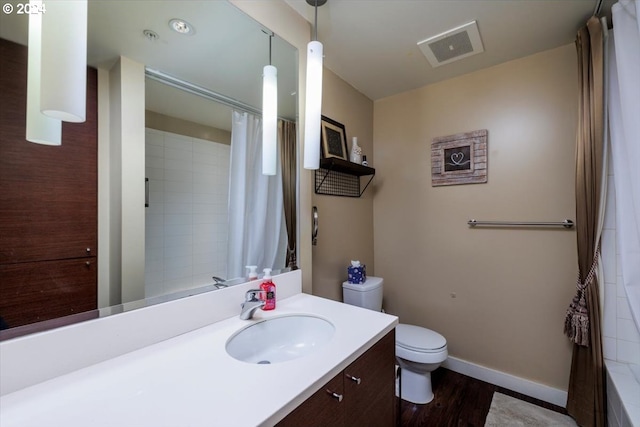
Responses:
[193,84]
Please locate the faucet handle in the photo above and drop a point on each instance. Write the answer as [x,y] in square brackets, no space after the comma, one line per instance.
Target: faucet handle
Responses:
[252,295]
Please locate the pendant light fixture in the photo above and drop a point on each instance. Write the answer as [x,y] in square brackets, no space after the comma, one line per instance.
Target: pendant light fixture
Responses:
[269,116]
[41,129]
[64,60]
[313,105]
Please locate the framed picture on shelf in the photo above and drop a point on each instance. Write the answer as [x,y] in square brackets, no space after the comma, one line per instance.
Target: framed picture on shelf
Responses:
[333,138]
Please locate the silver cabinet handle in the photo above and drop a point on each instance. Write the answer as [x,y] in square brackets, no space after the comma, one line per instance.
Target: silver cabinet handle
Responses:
[335,395]
[314,232]
[354,379]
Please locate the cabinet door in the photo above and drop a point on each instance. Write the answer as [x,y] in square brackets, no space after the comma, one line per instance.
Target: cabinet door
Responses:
[322,409]
[369,386]
[37,291]
[48,195]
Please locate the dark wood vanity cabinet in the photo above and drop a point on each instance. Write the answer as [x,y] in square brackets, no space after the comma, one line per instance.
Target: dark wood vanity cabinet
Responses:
[321,409]
[363,394]
[370,401]
[48,206]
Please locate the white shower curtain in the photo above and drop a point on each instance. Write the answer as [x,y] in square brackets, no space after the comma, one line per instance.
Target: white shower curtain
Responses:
[624,127]
[256,210]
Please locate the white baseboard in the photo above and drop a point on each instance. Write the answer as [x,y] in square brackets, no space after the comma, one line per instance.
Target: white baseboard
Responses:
[511,382]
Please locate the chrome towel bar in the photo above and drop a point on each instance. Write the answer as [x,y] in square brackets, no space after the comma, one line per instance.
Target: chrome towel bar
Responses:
[567,223]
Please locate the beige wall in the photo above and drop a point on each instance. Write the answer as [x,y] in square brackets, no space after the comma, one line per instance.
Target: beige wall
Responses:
[346,223]
[498,295]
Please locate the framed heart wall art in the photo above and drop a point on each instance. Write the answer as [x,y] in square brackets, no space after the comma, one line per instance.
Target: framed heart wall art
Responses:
[459,159]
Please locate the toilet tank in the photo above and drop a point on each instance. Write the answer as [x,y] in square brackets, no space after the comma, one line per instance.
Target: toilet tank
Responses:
[366,295]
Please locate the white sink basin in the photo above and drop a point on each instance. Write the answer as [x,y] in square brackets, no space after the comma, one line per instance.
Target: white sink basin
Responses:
[280,339]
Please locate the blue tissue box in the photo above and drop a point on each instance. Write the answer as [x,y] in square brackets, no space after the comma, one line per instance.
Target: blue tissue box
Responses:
[357,275]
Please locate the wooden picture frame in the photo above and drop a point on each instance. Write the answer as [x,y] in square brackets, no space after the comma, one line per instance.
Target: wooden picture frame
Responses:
[333,138]
[459,159]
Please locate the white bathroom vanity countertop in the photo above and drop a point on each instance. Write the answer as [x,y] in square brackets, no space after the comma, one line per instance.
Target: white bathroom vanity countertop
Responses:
[190,380]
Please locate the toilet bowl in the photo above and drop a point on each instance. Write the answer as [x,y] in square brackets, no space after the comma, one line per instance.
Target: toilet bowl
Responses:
[419,351]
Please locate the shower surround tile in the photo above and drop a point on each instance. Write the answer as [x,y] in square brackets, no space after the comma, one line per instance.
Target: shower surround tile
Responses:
[187,217]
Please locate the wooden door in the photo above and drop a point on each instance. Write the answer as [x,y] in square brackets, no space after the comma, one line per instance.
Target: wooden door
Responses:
[38,291]
[48,206]
[48,194]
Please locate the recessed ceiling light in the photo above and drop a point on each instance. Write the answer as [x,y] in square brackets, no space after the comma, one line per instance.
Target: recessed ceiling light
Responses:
[181,26]
[151,35]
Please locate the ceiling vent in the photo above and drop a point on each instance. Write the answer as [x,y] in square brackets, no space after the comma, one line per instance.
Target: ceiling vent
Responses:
[452,45]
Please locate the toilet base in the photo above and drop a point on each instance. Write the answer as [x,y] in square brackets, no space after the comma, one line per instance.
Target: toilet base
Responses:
[416,387]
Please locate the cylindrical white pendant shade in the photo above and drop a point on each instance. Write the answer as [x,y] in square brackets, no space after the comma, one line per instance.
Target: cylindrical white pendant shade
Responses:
[313,106]
[40,128]
[269,120]
[64,60]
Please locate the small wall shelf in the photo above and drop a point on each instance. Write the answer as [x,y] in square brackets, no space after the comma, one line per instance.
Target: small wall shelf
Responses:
[338,177]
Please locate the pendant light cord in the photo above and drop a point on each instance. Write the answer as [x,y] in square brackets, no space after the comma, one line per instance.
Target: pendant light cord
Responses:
[315,4]
[271,34]
[315,24]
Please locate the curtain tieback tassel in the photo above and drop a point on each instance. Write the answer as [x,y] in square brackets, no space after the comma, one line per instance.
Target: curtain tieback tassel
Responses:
[576,322]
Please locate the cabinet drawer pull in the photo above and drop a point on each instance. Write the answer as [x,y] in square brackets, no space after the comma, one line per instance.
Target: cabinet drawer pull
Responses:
[88,263]
[335,395]
[354,379]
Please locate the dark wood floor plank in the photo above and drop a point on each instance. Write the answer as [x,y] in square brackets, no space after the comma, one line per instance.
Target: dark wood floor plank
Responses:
[459,401]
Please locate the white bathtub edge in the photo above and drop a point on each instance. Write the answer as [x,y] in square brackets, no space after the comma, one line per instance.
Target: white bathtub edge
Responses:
[623,395]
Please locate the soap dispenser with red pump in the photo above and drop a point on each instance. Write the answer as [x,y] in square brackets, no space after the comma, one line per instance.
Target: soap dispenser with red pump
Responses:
[269,290]
[253,274]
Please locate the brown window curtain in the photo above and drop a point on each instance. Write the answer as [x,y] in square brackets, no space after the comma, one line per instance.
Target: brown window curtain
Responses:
[586,394]
[287,138]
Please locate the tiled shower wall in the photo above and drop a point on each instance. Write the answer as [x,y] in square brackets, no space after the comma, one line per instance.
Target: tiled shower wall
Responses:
[186,221]
[621,337]
[621,340]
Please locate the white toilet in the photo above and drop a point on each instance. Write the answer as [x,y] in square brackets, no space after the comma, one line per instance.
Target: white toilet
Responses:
[419,351]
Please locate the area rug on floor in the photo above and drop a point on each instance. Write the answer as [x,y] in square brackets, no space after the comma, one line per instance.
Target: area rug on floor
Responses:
[507,411]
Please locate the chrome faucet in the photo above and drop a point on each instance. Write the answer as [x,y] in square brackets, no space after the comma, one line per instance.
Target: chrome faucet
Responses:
[251,304]
[219,282]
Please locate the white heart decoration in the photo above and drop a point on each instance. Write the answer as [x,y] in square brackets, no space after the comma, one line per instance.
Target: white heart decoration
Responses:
[457,158]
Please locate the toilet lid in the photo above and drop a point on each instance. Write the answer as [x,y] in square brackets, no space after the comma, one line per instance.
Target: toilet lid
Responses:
[419,339]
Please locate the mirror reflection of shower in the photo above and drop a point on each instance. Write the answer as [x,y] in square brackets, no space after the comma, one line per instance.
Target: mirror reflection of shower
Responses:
[187,161]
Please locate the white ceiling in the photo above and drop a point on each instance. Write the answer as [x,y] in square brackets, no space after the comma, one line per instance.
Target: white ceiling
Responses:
[225,55]
[372,44]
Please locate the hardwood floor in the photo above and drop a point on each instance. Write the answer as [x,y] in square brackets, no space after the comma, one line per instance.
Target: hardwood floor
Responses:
[459,401]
